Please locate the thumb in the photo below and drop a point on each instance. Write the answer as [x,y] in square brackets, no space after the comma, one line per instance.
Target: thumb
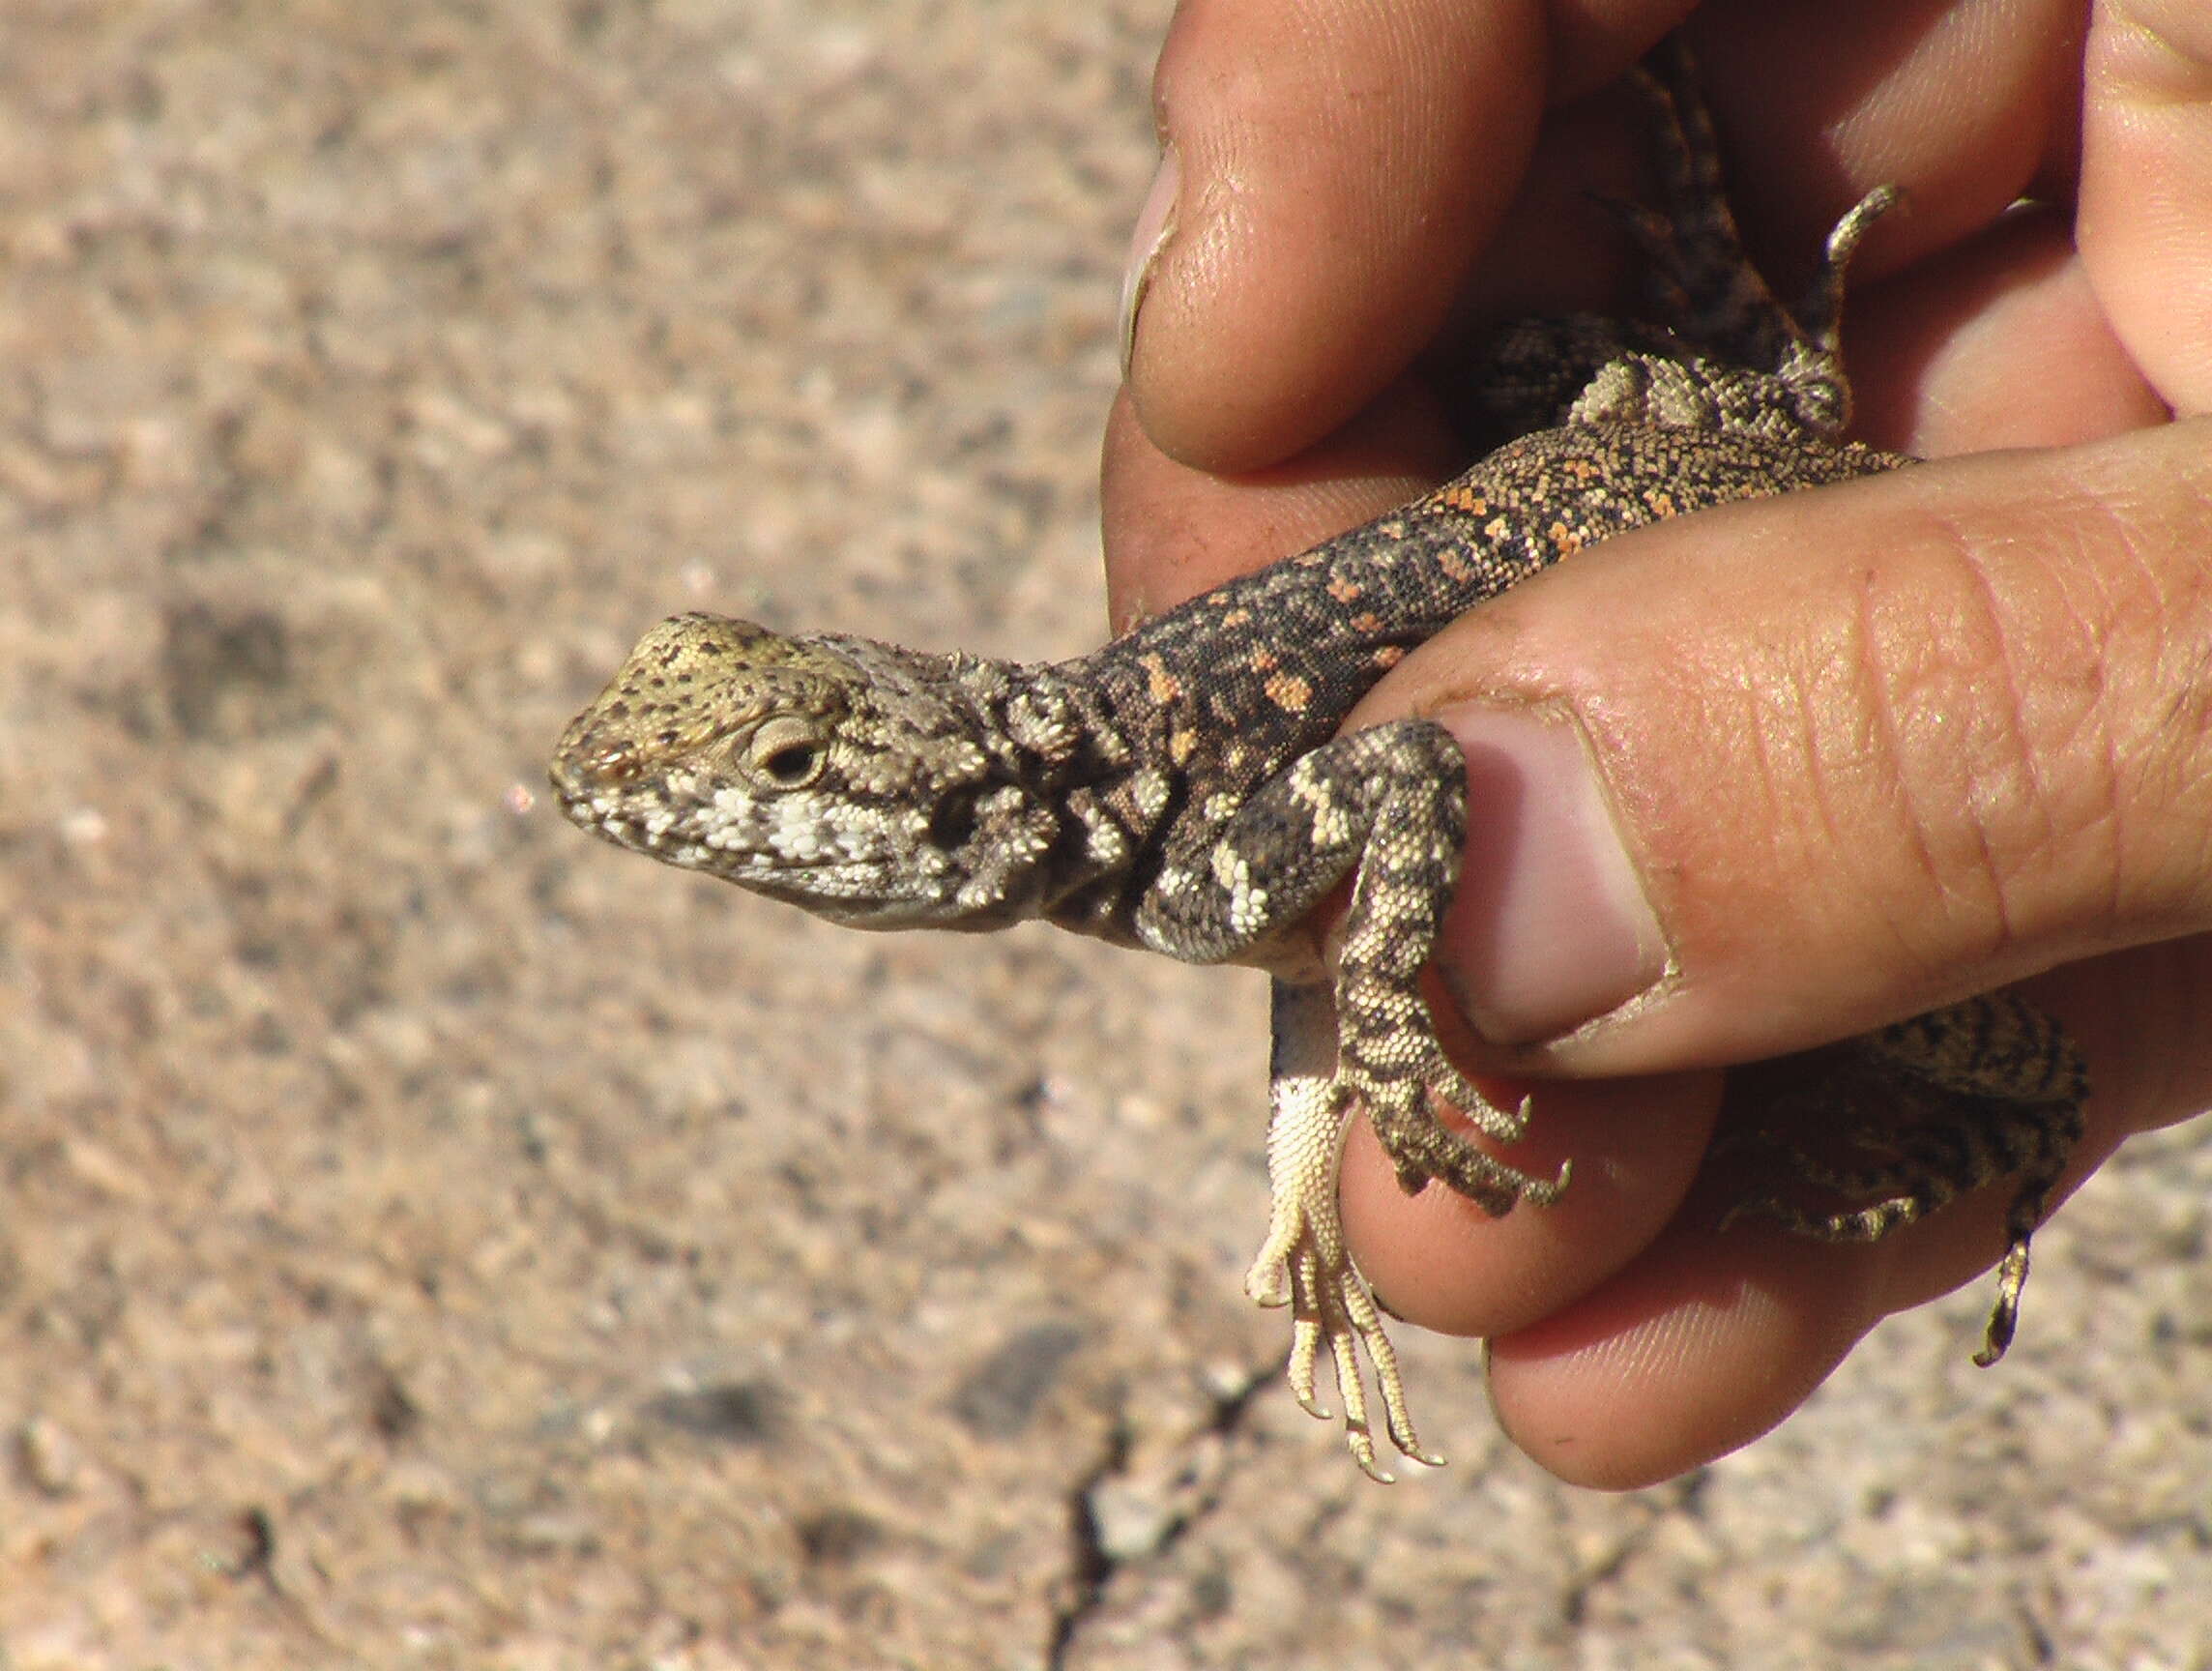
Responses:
[1793,769]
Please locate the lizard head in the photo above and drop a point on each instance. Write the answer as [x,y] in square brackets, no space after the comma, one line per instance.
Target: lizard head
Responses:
[875,786]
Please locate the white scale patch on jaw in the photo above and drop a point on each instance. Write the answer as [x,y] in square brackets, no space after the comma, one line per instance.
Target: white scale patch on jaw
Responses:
[855,842]
[802,830]
[734,825]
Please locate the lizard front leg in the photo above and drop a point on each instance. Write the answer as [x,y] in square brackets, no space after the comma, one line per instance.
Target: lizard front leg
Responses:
[1386,806]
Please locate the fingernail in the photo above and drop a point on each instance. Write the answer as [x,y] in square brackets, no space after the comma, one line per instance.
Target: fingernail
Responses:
[1551,928]
[1155,225]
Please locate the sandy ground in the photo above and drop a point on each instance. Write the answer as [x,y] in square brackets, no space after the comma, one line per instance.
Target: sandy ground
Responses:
[428,1237]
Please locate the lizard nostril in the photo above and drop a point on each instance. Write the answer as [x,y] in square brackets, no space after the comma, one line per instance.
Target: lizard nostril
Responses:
[614,764]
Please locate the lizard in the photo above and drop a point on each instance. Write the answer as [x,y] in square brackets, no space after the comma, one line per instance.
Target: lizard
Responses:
[1186,787]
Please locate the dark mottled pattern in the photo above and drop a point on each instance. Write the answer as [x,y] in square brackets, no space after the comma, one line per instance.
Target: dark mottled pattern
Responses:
[1184,788]
[1341,615]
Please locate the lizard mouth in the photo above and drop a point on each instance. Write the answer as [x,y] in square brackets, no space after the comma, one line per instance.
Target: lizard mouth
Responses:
[754,867]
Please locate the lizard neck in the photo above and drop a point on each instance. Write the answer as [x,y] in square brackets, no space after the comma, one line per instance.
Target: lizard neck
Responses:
[1059,820]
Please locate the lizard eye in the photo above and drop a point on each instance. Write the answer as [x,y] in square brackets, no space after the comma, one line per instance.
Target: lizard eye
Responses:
[787,752]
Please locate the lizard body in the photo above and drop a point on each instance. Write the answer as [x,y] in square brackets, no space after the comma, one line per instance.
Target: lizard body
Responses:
[1184,788]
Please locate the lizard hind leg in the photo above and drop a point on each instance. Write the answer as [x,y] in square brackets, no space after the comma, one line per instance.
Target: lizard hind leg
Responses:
[1729,354]
[1702,276]
[1993,1089]
[1703,279]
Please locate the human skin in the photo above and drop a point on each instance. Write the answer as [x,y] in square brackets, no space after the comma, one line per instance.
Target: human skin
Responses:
[1845,754]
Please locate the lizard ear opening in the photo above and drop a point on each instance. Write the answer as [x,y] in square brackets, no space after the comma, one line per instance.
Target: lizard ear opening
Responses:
[786,754]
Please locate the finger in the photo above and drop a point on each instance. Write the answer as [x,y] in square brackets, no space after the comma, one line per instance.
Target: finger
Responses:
[1714,1337]
[1440,1262]
[1878,102]
[1691,1353]
[1793,769]
[2001,342]
[1968,108]
[2146,181]
[1335,164]
[1331,176]
[1628,1348]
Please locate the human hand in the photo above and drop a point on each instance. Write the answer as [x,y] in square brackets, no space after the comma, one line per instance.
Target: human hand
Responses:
[1965,696]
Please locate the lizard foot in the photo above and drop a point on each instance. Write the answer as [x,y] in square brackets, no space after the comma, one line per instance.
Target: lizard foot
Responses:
[1304,1265]
[1392,1064]
[1422,1147]
[1994,1090]
[1872,1222]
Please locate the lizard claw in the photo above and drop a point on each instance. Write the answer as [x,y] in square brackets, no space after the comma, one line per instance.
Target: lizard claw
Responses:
[1305,1264]
[1422,1147]
[1493,1119]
